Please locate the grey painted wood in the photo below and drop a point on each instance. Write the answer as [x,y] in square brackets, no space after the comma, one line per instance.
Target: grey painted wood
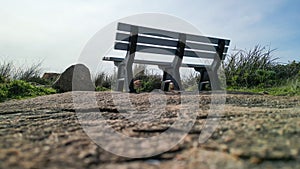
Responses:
[151,62]
[147,49]
[149,31]
[170,34]
[199,54]
[204,47]
[204,39]
[122,37]
[129,58]
[147,40]
[165,51]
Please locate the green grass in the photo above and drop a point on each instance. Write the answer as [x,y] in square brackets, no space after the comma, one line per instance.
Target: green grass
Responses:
[101,88]
[290,88]
[18,89]
[18,82]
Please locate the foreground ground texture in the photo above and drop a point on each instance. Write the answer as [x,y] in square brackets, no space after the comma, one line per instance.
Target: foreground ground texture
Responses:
[252,131]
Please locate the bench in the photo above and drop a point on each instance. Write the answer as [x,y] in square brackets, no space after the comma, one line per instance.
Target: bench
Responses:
[133,39]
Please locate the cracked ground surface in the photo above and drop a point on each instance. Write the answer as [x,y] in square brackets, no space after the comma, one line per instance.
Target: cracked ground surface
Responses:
[253,131]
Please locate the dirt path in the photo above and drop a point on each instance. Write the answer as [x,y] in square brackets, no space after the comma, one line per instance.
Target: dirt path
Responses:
[254,131]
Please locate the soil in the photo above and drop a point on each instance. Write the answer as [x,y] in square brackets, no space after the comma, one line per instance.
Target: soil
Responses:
[252,131]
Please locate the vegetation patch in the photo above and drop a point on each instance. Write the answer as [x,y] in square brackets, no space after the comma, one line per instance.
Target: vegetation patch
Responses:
[18,89]
[254,70]
[17,82]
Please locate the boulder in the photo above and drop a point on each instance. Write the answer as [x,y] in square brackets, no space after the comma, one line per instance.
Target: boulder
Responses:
[50,76]
[75,78]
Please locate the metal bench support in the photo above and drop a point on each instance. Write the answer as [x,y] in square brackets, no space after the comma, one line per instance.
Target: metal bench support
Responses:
[125,74]
[172,72]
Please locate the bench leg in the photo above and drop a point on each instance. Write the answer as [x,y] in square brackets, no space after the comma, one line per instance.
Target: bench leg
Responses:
[204,79]
[208,77]
[214,80]
[202,85]
[120,76]
[174,76]
[128,76]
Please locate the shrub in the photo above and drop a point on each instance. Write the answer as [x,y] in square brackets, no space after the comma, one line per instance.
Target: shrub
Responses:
[264,78]
[103,81]
[17,89]
[28,73]
[190,81]
[3,92]
[101,88]
[250,68]
[6,69]
[288,71]
[150,82]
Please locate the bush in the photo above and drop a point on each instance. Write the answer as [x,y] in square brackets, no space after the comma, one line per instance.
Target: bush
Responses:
[250,68]
[28,73]
[20,89]
[265,78]
[3,92]
[101,88]
[150,82]
[190,81]
[6,69]
[288,71]
[103,81]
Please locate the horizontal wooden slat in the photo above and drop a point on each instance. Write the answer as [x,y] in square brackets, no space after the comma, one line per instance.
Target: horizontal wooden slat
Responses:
[122,37]
[166,42]
[199,54]
[204,47]
[124,27]
[113,59]
[148,40]
[165,51]
[147,49]
[195,65]
[155,50]
[149,62]
[171,34]
[121,46]
[149,31]
[204,39]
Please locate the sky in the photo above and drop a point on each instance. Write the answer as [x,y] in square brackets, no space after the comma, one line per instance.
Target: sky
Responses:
[55,32]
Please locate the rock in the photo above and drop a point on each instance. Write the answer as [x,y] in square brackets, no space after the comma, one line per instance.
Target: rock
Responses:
[50,76]
[75,78]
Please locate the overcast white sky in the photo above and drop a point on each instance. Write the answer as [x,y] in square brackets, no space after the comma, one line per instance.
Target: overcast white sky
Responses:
[55,31]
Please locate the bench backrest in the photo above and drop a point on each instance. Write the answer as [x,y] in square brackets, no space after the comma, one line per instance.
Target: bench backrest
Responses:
[149,40]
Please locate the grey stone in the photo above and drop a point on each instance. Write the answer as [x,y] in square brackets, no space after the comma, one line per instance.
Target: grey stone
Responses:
[75,78]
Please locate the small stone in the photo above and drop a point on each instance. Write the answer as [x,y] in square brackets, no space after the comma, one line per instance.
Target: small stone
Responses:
[255,160]
[257,127]
[280,132]
[223,147]
[46,148]
[294,152]
[228,139]
[236,152]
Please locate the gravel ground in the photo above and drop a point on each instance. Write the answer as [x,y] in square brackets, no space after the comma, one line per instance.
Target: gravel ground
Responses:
[252,131]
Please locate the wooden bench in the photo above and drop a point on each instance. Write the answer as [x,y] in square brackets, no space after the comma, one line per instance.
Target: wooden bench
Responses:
[133,39]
